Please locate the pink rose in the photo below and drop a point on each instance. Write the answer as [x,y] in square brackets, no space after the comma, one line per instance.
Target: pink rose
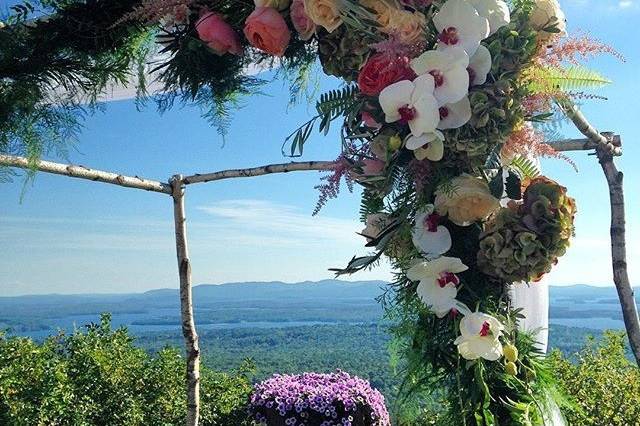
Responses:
[372,167]
[218,35]
[266,29]
[301,21]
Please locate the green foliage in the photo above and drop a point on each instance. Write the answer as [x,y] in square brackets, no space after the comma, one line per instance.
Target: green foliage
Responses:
[332,105]
[53,70]
[100,378]
[603,384]
[525,167]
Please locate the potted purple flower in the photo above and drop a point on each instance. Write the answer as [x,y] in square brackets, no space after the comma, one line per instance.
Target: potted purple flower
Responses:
[313,399]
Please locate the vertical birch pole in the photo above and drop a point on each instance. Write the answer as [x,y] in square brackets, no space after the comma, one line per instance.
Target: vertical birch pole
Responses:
[186,303]
[619,252]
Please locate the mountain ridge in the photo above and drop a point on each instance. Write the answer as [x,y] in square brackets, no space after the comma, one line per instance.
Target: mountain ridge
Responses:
[199,287]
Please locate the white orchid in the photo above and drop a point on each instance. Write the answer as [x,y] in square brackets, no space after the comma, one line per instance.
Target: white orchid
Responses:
[431,238]
[479,337]
[438,283]
[460,24]
[428,146]
[479,66]
[412,102]
[496,12]
[449,71]
[455,115]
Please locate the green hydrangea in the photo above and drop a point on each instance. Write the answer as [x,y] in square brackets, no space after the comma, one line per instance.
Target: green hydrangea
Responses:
[522,243]
[342,53]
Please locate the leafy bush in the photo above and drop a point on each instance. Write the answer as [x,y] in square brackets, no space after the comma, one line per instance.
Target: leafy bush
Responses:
[603,384]
[100,378]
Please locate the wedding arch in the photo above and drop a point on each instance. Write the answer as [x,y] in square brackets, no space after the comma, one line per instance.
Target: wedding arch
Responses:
[443,111]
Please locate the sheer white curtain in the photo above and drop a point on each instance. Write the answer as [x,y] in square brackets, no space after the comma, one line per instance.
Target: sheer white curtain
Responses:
[533,298]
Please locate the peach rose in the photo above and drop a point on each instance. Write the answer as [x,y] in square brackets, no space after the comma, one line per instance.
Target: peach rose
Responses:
[383,10]
[467,200]
[301,21]
[266,30]
[325,13]
[218,35]
[409,27]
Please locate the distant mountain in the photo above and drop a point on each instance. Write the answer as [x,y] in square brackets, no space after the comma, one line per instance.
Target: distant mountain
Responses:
[264,304]
[325,289]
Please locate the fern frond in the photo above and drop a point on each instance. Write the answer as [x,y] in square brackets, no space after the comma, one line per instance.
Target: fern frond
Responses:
[335,102]
[525,167]
[554,79]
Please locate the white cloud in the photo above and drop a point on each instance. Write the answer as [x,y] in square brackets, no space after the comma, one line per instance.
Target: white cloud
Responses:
[270,224]
[626,4]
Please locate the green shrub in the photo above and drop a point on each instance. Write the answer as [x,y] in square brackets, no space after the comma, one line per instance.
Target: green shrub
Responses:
[100,378]
[603,385]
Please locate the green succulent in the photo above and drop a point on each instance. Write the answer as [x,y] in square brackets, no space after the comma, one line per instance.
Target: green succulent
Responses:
[523,243]
[342,53]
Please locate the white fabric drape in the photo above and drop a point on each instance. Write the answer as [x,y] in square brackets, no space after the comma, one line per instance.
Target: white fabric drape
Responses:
[533,298]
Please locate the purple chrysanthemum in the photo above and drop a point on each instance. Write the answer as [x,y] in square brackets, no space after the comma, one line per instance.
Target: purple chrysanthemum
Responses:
[313,399]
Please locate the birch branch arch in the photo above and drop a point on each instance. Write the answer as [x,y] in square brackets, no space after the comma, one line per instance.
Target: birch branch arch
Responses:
[606,145]
[437,125]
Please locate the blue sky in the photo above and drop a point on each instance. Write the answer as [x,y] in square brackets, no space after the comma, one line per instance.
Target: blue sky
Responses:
[73,236]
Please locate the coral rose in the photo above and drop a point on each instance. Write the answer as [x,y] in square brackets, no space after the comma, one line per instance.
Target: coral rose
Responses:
[382,70]
[325,13]
[218,35]
[301,21]
[467,199]
[266,29]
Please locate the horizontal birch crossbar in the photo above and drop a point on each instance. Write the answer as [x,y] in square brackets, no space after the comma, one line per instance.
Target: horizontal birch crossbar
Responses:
[82,172]
[259,171]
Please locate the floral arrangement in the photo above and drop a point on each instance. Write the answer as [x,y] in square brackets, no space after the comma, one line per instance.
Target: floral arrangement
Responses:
[314,399]
[445,107]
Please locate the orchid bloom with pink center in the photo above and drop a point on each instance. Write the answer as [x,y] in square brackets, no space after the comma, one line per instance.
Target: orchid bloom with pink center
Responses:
[428,236]
[460,24]
[412,103]
[479,66]
[496,12]
[449,71]
[428,146]
[453,116]
[438,283]
[480,337]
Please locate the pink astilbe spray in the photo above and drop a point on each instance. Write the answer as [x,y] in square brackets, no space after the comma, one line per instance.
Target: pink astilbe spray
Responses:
[573,50]
[330,186]
[155,11]
[539,102]
[421,172]
[527,141]
[394,47]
